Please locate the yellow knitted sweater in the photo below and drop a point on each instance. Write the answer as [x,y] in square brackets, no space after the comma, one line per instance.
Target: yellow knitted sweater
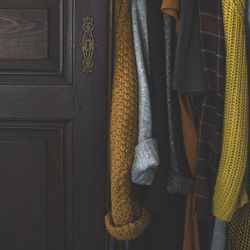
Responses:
[238,230]
[230,192]
[127,219]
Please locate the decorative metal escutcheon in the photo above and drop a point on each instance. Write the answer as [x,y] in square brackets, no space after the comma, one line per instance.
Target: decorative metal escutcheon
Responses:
[88,44]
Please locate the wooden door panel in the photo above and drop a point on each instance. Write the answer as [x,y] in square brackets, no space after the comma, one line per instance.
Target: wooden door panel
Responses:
[35,185]
[52,126]
[89,155]
[36,114]
[23,193]
[23,34]
[32,102]
[36,40]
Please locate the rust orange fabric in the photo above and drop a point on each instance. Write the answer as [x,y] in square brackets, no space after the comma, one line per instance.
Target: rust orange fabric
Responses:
[170,7]
[191,229]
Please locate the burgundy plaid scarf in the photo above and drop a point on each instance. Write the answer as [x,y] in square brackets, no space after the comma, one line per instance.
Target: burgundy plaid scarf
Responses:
[211,122]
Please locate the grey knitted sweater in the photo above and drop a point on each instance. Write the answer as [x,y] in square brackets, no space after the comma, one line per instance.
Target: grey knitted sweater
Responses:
[146,158]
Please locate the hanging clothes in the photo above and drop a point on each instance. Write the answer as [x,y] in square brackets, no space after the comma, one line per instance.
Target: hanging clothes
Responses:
[146,158]
[238,237]
[152,196]
[191,228]
[211,121]
[180,179]
[127,219]
[230,191]
[166,228]
[188,71]
[153,64]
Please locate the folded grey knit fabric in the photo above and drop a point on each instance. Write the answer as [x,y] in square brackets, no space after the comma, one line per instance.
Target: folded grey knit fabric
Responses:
[146,157]
[146,160]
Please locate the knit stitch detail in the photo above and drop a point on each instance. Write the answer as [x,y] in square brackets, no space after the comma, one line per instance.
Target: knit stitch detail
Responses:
[131,228]
[230,192]
[145,163]
[239,230]
[146,159]
[127,219]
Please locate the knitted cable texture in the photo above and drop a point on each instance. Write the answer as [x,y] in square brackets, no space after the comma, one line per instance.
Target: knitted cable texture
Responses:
[127,219]
[230,192]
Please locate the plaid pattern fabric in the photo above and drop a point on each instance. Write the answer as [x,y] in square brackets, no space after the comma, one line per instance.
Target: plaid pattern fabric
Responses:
[211,121]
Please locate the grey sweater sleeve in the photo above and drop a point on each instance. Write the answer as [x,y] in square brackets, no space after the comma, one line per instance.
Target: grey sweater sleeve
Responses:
[146,158]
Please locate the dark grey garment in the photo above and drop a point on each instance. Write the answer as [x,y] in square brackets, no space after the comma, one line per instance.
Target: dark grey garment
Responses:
[167,223]
[180,179]
[189,76]
[114,244]
[126,245]
[219,235]
[146,158]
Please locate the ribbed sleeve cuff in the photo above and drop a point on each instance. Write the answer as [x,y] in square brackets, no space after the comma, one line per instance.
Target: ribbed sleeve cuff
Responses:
[179,184]
[225,205]
[146,161]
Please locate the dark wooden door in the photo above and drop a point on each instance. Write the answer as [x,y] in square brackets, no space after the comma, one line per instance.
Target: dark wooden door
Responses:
[52,125]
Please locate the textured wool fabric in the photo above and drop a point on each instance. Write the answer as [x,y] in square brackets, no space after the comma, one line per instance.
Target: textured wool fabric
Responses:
[211,121]
[180,178]
[152,195]
[171,7]
[188,71]
[239,230]
[230,191]
[127,219]
[247,24]
[166,228]
[146,158]
[191,229]
[238,237]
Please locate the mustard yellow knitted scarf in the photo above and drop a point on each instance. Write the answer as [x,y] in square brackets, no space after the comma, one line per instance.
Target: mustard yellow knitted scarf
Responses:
[230,192]
[127,219]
